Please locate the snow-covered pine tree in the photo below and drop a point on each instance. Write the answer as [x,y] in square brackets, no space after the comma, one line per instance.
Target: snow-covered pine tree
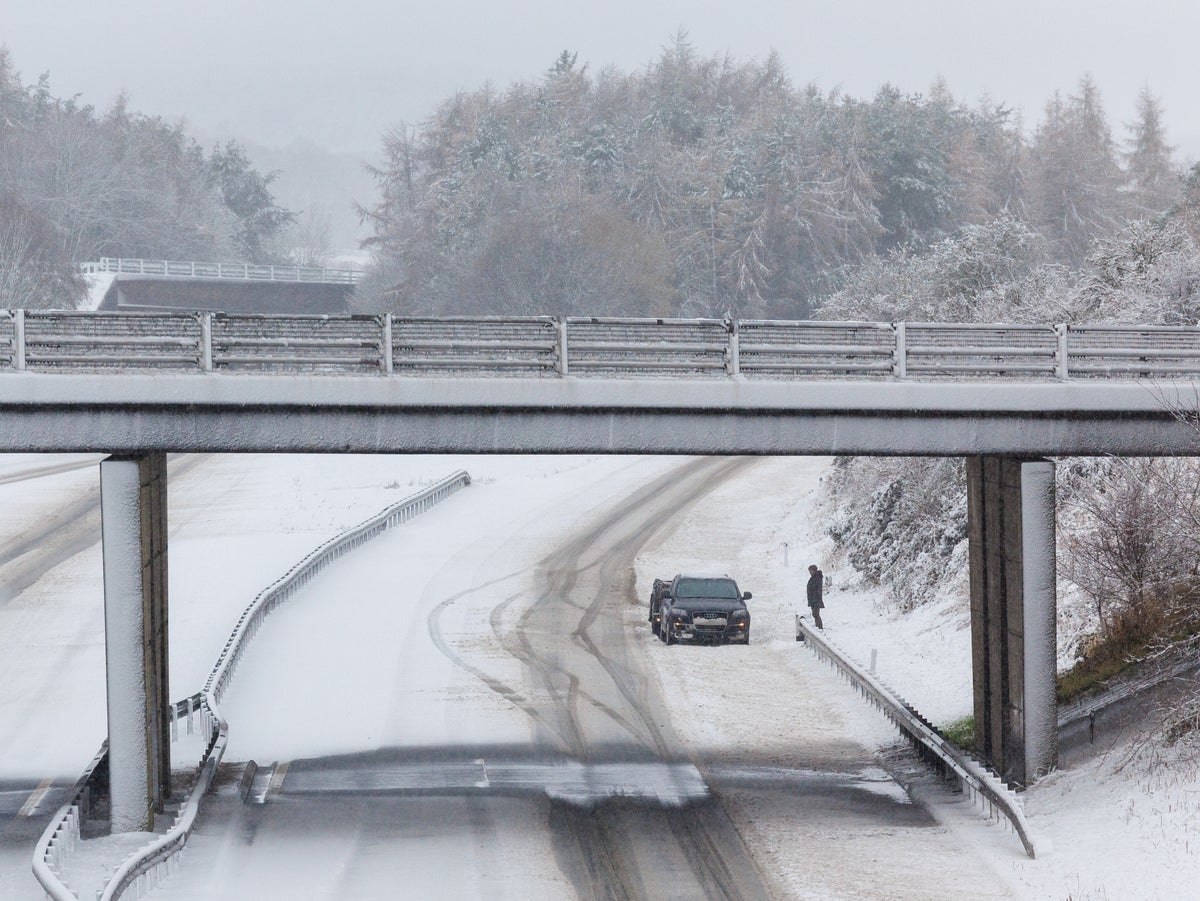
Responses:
[1154,180]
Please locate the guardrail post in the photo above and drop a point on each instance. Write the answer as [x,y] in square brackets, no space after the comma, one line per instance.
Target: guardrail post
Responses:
[1061,351]
[900,354]
[733,365]
[386,348]
[206,348]
[562,366]
[19,340]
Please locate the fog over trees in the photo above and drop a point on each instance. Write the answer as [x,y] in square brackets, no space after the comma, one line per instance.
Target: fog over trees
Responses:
[77,184]
[705,185]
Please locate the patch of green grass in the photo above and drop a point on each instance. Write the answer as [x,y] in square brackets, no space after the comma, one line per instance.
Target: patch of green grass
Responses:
[961,732]
[1094,670]
[1130,637]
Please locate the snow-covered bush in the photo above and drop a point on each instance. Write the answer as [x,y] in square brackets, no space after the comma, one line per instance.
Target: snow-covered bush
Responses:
[997,271]
[1148,273]
[901,522]
[1130,545]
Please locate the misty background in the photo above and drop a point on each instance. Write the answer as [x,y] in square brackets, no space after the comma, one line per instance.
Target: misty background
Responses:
[308,88]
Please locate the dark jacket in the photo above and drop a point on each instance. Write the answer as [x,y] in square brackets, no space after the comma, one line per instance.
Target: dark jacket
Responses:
[815,582]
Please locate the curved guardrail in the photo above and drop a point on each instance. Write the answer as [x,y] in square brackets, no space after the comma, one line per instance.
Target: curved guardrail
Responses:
[156,860]
[56,341]
[981,785]
[62,835]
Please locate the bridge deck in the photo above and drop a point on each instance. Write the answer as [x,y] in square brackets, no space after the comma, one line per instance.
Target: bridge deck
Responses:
[216,382]
[305,413]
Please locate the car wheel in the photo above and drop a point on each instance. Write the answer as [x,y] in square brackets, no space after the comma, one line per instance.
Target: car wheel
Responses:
[655,628]
[668,636]
[747,636]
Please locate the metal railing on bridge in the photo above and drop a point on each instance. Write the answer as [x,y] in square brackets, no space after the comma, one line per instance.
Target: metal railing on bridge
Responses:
[47,341]
[237,271]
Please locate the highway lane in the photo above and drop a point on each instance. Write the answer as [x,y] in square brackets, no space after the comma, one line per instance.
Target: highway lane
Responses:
[520,747]
[590,786]
[26,807]
[599,702]
[62,532]
[587,790]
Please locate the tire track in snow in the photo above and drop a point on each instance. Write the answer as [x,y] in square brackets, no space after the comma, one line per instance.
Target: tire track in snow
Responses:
[515,697]
[704,838]
[69,531]
[599,848]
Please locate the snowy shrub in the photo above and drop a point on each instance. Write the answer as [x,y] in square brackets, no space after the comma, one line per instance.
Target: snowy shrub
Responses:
[908,533]
[988,272]
[1149,273]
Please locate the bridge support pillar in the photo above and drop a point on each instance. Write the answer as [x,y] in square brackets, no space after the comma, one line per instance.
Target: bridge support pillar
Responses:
[133,505]
[1010,511]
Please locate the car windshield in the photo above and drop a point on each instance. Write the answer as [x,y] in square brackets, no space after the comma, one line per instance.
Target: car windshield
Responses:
[726,589]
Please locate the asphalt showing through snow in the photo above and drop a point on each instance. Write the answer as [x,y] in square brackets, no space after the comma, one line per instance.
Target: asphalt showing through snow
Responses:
[25,811]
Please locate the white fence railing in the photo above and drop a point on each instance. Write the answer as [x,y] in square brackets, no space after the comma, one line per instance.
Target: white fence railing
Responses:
[239,271]
[980,784]
[155,861]
[46,341]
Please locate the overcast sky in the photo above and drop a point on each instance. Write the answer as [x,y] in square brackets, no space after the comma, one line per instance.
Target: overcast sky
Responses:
[271,71]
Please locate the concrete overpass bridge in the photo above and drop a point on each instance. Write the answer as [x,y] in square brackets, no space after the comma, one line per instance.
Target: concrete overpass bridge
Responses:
[139,284]
[1005,397]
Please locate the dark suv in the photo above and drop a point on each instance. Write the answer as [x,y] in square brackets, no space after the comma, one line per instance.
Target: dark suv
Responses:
[702,609]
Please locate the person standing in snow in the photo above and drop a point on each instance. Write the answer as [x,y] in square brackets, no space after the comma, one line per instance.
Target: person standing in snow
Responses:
[816,581]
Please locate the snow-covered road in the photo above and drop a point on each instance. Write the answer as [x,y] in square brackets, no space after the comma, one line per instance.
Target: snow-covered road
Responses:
[479,656]
[486,715]
[473,706]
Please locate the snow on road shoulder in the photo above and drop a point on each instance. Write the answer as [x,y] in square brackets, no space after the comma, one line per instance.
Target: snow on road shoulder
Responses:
[1120,826]
[827,821]
[736,529]
[1125,824]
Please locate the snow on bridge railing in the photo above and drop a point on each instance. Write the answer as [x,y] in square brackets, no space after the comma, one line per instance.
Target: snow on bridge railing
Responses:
[8,340]
[47,341]
[236,271]
[982,785]
[154,862]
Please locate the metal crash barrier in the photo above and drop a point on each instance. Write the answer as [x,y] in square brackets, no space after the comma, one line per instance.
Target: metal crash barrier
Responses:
[52,341]
[159,858]
[983,787]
